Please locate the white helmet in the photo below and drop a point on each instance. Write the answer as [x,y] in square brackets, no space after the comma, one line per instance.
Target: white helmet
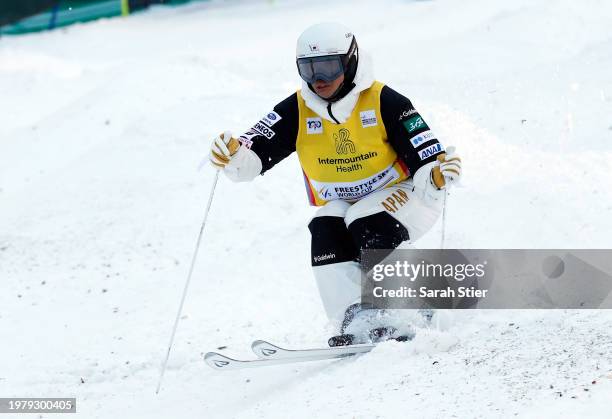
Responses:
[324,39]
[325,51]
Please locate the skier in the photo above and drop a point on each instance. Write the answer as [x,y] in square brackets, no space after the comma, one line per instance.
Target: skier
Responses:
[369,161]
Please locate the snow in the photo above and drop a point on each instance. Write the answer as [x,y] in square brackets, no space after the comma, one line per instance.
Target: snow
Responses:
[102,128]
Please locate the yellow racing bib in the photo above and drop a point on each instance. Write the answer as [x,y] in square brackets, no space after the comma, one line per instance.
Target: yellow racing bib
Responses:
[347,161]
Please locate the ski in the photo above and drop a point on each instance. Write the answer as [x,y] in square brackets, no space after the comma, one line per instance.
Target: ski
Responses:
[278,356]
[266,350]
[221,362]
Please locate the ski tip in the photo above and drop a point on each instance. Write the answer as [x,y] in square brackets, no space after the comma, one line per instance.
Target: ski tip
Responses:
[264,349]
[210,355]
[259,342]
[217,361]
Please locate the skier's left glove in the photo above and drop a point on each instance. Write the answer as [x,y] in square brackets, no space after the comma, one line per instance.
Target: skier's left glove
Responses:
[447,170]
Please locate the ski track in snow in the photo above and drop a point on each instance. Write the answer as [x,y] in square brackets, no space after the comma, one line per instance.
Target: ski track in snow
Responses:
[100,203]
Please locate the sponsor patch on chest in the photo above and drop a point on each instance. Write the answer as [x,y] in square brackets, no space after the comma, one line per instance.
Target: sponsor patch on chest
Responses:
[368,118]
[314,126]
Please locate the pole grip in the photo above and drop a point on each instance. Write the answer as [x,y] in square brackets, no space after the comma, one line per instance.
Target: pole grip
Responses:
[436,176]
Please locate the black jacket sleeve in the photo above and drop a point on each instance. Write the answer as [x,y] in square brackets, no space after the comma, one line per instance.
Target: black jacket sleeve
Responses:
[273,138]
[407,131]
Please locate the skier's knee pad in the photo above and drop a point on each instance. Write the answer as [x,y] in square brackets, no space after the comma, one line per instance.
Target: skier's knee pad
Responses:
[331,241]
[378,231]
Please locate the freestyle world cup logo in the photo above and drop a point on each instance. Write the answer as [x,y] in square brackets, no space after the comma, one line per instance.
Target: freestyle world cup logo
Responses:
[344,144]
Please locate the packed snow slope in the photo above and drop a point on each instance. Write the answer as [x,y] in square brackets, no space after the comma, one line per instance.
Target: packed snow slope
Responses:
[102,128]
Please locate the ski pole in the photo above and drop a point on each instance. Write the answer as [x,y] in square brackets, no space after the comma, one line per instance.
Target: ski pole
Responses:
[193,260]
[442,240]
[437,174]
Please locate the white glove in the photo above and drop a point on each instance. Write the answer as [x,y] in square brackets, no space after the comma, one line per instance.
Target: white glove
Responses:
[222,149]
[239,163]
[447,170]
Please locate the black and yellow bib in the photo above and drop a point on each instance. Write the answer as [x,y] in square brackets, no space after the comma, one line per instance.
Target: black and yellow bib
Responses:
[347,161]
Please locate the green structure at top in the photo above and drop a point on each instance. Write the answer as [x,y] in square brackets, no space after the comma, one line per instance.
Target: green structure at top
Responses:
[22,16]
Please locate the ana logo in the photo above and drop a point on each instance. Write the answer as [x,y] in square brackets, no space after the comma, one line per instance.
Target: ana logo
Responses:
[432,150]
[415,123]
[422,138]
[314,126]
[368,118]
[344,144]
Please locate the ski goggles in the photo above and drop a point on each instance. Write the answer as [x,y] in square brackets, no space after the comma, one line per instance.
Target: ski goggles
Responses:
[327,68]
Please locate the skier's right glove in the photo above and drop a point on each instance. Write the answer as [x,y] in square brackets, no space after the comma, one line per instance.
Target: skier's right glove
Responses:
[222,149]
[238,162]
